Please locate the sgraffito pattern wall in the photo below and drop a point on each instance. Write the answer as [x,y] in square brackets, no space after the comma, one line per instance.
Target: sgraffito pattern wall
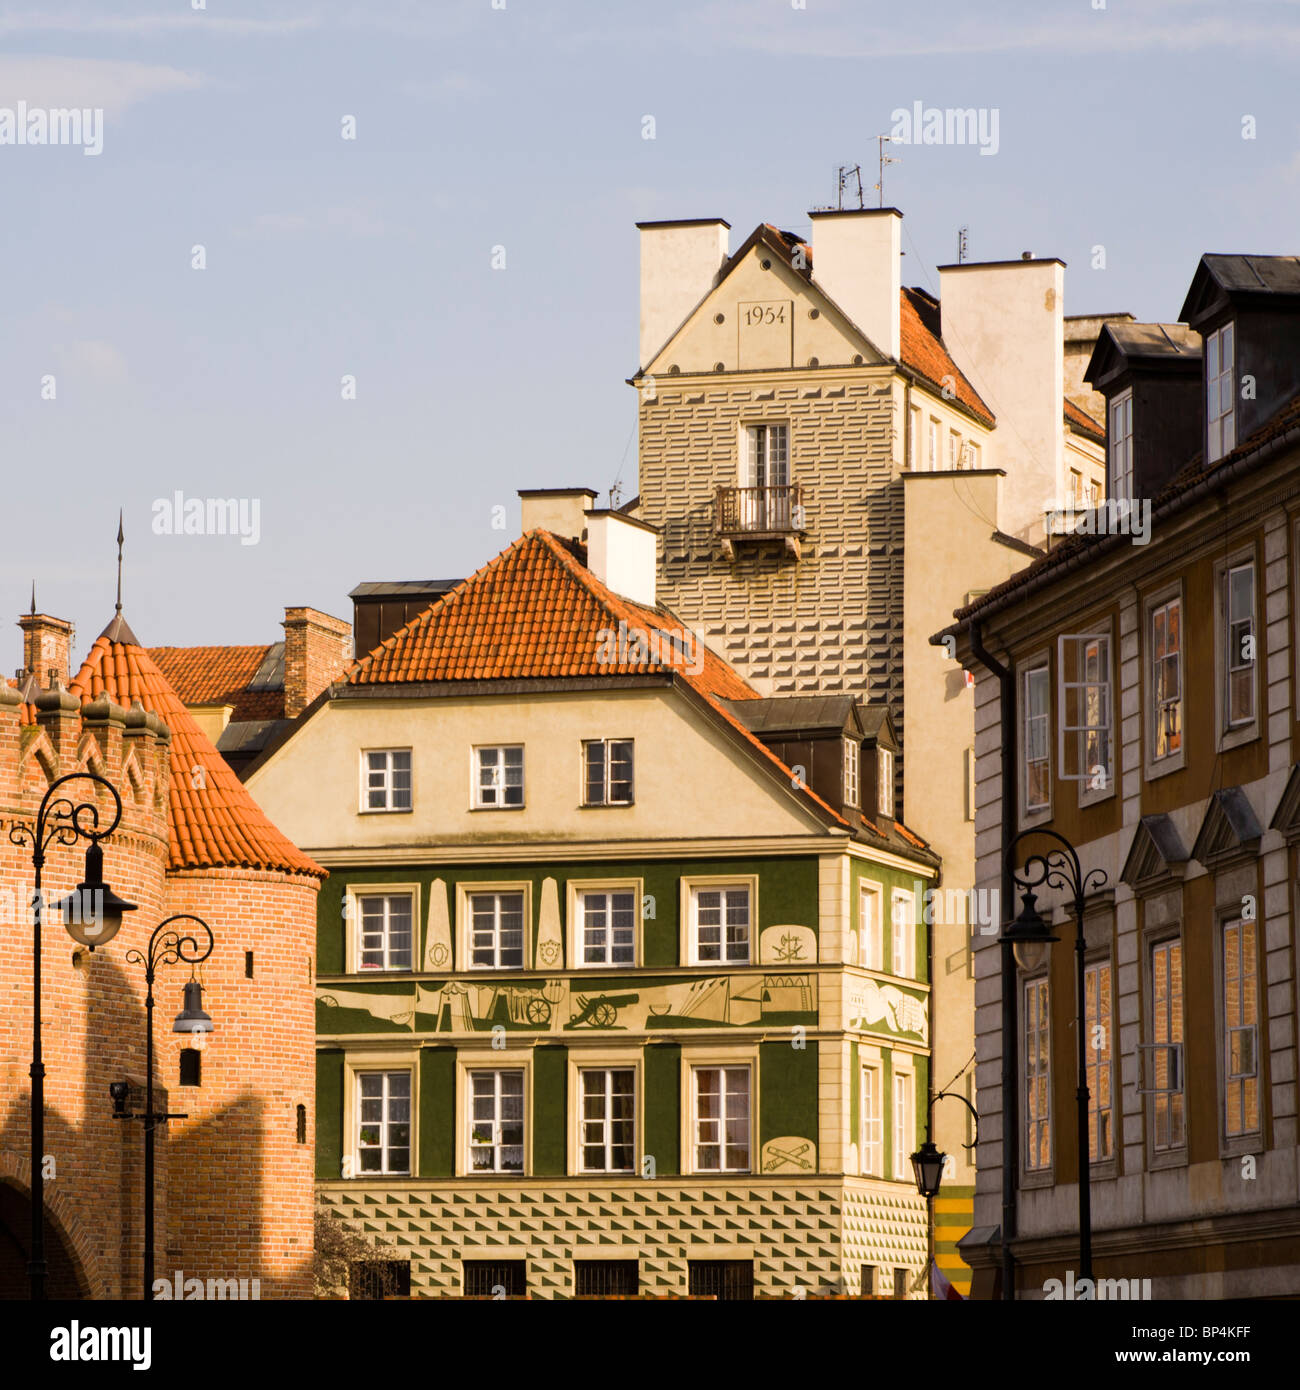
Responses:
[798,1235]
[831,620]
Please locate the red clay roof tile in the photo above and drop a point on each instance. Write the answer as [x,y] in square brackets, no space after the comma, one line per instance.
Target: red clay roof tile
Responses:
[217,824]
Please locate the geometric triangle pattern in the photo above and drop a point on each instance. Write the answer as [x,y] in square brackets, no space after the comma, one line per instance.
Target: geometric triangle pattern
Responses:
[811,1237]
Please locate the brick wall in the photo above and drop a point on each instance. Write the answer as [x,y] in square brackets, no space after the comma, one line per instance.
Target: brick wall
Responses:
[233,1189]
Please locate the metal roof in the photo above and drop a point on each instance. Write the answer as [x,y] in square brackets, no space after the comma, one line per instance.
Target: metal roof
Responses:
[403,588]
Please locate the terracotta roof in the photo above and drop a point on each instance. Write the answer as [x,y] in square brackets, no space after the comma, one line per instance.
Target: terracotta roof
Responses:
[537,612]
[220,676]
[217,825]
[1080,420]
[923,351]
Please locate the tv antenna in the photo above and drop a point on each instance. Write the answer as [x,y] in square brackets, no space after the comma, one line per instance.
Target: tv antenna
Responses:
[847,173]
[882,141]
[962,248]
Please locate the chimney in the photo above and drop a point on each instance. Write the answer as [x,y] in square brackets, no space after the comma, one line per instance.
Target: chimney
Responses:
[856,261]
[679,265]
[1004,325]
[559,510]
[47,646]
[622,554]
[317,649]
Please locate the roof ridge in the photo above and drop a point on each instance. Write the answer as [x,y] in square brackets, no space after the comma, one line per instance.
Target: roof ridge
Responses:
[217,823]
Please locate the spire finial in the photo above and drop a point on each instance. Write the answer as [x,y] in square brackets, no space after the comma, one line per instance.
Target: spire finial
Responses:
[33,598]
[120,538]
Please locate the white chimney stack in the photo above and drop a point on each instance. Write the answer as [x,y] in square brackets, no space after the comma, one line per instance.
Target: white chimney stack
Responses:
[1004,324]
[679,264]
[622,554]
[856,261]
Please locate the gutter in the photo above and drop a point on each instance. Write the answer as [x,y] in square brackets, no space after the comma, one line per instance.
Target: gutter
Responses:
[1217,480]
[1010,1094]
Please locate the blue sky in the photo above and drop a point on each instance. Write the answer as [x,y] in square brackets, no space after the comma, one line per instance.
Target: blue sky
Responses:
[518,127]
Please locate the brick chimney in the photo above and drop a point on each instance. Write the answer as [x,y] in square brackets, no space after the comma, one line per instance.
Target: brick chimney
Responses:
[317,649]
[47,646]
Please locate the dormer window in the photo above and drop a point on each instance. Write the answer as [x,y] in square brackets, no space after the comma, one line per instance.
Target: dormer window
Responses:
[1121,446]
[885,781]
[1220,399]
[850,772]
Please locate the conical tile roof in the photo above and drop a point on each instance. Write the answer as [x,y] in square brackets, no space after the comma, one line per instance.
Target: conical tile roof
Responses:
[215,824]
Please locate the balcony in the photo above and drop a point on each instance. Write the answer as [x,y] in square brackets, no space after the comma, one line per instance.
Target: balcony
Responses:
[743,514]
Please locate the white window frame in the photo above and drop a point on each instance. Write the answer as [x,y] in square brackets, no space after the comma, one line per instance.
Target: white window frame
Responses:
[1159,603]
[386,1123]
[885,781]
[467,890]
[479,792]
[599,1058]
[354,894]
[1119,445]
[576,892]
[497,1124]
[914,439]
[387,788]
[1230,661]
[902,939]
[605,1070]
[694,1121]
[1091,702]
[769,431]
[932,443]
[1239,1025]
[1036,1010]
[472,1059]
[1043,723]
[972,454]
[954,450]
[903,1121]
[605,745]
[1220,392]
[852,778]
[871,927]
[871,1126]
[691,888]
[1101,1061]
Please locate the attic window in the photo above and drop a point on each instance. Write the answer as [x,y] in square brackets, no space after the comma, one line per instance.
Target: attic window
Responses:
[850,772]
[1220,402]
[885,781]
[1120,482]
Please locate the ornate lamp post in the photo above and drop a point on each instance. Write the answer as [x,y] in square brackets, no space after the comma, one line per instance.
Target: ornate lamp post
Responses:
[166,946]
[1028,938]
[92,915]
[927,1161]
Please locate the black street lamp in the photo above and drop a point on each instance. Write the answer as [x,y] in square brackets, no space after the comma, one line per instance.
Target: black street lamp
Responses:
[927,1161]
[166,947]
[1028,938]
[92,915]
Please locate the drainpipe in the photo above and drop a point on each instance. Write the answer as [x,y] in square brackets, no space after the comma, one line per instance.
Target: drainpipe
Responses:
[1006,902]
